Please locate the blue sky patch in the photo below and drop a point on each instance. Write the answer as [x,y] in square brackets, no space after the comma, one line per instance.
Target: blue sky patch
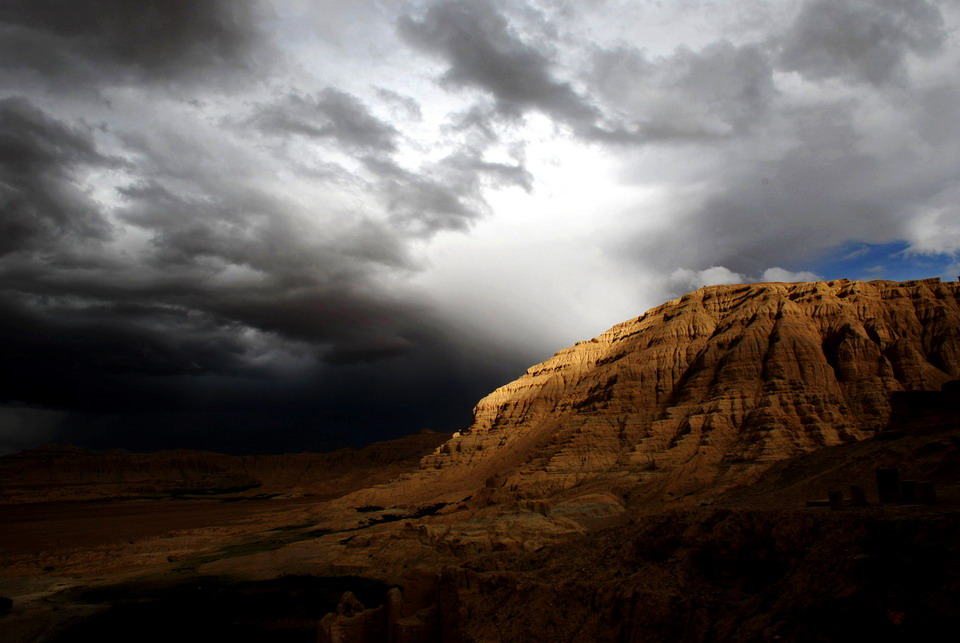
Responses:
[893,261]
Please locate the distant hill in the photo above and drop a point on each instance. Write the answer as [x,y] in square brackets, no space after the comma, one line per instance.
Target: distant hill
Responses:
[54,472]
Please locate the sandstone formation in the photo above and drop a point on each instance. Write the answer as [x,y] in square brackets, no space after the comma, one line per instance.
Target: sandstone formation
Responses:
[705,391]
[757,564]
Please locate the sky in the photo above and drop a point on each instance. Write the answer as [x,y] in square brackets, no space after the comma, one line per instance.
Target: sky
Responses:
[277,226]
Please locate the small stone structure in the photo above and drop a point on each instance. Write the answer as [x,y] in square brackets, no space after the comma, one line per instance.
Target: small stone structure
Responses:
[888,485]
[858,496]
[891,489]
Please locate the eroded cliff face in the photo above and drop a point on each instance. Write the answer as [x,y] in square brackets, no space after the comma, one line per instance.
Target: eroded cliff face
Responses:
[708,389]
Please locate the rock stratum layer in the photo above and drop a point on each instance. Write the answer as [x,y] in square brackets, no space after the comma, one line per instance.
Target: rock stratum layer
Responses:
[707,390]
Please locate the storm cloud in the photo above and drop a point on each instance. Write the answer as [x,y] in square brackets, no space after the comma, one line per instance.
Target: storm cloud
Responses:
[483,52]
[112,41]
[329,114]
[272,226]
[41,194]
[860,41]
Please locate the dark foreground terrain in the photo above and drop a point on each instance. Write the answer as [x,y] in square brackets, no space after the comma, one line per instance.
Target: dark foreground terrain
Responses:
[757,564]
[210,608]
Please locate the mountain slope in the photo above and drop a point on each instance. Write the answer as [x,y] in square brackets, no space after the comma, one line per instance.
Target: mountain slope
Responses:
[707,390]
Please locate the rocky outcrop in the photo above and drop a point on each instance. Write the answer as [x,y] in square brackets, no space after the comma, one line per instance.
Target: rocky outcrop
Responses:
[758,564]
[401,619]
[720,575]
[707,390]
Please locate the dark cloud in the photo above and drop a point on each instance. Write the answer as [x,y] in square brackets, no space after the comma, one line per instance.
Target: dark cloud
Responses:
[423,204]
[484,53]
[103,41]
[329,114]
[201,237]
[933,122]
[289,282]
[235,320]
[499,174]
[204,216]
[146,361]
[41,198]
[371,349]
[860,40]
[719,91]
[481,118]
[447,194]
[23,428]
[154,376]
[328,318]
[403,105]
[74,354]
[440,195]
